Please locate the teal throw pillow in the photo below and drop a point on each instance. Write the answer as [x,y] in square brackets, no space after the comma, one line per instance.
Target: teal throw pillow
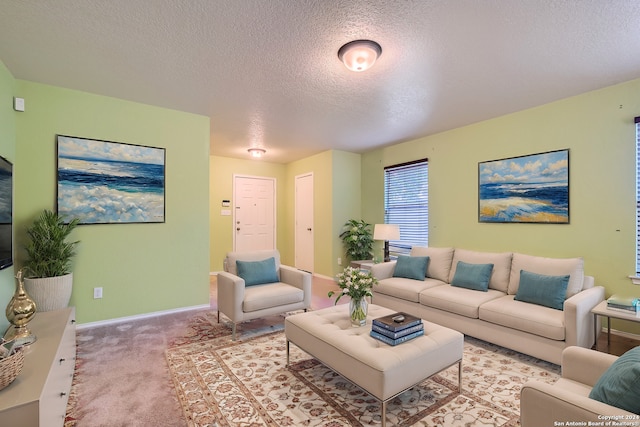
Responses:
[472,276]
[619,386]
[540,289]
[258,272]
[411,267]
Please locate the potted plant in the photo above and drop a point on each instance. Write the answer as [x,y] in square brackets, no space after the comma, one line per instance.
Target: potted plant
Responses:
[49,279]
[357,238]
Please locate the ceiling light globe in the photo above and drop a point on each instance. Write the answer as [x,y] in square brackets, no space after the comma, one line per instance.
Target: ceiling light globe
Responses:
[359,55]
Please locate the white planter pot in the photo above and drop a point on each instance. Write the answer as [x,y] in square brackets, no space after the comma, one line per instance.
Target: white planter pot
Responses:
[50,293]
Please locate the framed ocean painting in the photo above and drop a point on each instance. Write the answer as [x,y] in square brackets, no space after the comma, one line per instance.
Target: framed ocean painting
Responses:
[103,182]
[532,188]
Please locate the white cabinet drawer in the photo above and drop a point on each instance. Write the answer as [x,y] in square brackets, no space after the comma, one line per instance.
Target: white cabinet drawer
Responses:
[38,397]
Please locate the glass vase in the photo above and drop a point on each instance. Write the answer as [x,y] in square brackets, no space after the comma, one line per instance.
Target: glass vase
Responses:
[358,312]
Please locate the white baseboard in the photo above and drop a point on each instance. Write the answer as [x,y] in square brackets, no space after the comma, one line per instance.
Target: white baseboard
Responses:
[322,276]
[89,325]
[622,334]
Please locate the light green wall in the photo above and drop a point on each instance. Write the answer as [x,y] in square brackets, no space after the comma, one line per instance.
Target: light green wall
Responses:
[346,200]
[336,181]
[142,268]
[598,129]
[8,151]
[222,170]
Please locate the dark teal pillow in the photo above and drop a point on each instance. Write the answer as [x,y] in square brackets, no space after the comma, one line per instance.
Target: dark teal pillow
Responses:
[258,272]
[619,386]
[544,290]
[472,276]
[411,267]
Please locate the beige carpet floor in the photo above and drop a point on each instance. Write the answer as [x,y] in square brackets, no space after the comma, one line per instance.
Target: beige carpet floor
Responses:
[246,383]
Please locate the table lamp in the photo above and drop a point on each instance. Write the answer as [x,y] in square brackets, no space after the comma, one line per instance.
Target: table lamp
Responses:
[386,232]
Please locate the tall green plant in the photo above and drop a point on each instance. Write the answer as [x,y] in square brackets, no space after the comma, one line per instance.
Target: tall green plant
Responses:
[48,252]
[357,238]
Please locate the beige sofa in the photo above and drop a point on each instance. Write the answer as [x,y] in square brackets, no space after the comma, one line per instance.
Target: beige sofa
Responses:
[495,315]
[543,404]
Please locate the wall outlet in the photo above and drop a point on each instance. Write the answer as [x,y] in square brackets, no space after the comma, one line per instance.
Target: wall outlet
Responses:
[339,261]
[97,293]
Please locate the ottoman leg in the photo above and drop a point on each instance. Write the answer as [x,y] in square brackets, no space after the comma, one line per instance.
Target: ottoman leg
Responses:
[460,376]
[287,352]
[383,415]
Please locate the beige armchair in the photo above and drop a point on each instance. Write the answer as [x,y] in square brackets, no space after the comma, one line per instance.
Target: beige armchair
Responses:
[239,302]
[543,404]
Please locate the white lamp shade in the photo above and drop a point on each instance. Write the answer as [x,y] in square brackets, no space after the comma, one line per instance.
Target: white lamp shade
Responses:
[386,232]
[359,55]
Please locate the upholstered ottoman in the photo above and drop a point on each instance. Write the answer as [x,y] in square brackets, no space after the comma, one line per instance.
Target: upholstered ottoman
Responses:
[382,370]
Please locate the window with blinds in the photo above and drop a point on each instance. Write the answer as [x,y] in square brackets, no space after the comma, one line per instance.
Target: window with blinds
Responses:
[406,203]
[637,120]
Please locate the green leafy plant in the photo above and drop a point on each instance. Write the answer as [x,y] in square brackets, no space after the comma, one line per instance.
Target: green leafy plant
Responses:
[355,283]
[48,252]
[357,238]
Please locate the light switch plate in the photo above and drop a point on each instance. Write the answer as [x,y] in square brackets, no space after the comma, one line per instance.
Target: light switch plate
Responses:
[18,104]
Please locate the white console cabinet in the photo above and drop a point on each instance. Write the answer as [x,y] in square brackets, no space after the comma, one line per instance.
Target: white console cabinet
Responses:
[38,396]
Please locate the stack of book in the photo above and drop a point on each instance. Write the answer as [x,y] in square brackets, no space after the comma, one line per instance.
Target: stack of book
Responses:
[626,304]
[397,328]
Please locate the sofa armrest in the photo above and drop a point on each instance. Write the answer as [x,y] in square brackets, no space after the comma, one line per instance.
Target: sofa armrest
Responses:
[584,365]
[543,404]
[230,295]
[578,320]
[383,270]
[298,278]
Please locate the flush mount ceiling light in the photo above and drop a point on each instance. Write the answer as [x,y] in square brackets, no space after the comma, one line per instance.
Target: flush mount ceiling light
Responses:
[256,152]
[359,55]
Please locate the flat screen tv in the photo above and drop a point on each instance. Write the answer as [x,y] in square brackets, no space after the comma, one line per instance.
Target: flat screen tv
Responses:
[6,213]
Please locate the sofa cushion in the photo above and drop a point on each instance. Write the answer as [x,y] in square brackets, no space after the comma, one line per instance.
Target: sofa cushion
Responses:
[534,319]
[439,261]
[260,297]
[411,267]
[462,301]
[258,272]
[405,289]
[472,276]
[549,266]
[501,266]
[541,289]
[619,386]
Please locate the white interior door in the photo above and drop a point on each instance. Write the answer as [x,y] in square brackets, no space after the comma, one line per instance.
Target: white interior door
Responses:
[304,222]
[254,213]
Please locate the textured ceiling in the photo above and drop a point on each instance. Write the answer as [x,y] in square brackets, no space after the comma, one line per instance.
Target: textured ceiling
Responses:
[266,71]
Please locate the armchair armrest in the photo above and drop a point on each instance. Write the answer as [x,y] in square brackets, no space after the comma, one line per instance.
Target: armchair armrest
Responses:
[578,319]
[230,295]
[584,365]
[298,278]
[543,404]
[383,270]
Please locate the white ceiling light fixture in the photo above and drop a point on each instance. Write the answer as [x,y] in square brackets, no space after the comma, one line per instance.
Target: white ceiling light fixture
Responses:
[359,55]
[256,152]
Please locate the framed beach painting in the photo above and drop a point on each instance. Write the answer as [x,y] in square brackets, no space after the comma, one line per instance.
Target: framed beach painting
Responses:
[532,188]
[103,182]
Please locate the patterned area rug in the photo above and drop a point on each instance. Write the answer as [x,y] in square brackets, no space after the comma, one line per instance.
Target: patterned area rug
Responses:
[225,383]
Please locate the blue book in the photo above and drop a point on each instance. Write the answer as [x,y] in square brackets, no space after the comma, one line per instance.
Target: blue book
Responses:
[385,339]
[400,333]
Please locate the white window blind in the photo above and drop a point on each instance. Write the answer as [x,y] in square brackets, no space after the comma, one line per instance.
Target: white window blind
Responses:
[406,203]
[637,120]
